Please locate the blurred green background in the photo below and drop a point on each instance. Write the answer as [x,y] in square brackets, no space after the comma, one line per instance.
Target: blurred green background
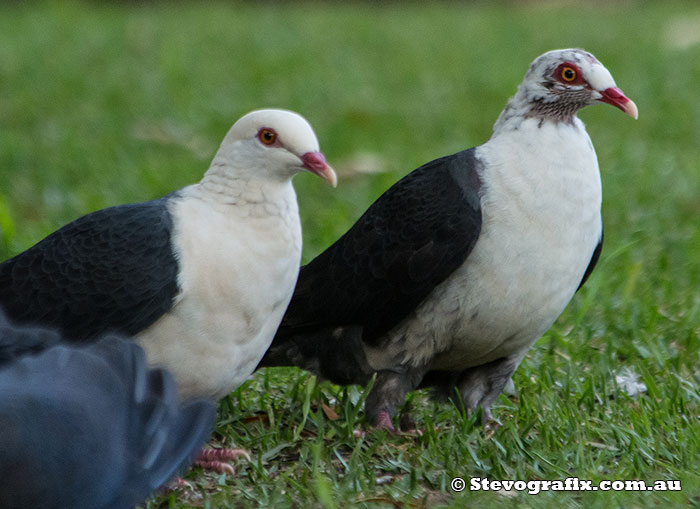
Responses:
[108,103]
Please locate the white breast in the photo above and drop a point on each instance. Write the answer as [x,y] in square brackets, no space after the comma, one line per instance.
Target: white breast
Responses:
[541,224]
[238,267]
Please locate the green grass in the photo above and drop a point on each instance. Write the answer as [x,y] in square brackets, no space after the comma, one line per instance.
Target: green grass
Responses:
[107,104]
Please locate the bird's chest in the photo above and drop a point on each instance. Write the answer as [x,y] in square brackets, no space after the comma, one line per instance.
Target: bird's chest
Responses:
[244,266]
[540,225]
[237,275]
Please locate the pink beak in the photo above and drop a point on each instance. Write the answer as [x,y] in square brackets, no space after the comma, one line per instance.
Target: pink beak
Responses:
[316,163]
[617,98]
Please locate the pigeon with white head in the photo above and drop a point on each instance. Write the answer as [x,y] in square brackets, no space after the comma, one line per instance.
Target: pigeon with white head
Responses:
[456,270]
[200,278]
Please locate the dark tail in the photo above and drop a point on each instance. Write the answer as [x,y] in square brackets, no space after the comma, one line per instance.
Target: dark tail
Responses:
[334,354]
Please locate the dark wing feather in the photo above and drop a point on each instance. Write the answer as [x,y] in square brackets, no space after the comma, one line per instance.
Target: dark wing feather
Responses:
[410,240]
[593,262]
[112,270]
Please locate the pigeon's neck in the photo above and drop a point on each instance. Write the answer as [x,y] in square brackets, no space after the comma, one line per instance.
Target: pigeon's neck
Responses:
[525,105]
[254,195]
[543,162]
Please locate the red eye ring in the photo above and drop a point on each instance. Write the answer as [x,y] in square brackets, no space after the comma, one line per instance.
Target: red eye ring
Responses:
[267,136]
[568,74]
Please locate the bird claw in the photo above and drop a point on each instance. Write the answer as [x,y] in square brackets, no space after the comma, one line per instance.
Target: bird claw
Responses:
[216,460]
[219,467]
[222,454]
[359,433]
[384,424]
[486,416]
[489,423]
[177,483]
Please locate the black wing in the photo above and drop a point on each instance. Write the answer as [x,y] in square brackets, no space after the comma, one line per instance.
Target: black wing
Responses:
[594,260]
[410,240]
[92,427]
[112,270]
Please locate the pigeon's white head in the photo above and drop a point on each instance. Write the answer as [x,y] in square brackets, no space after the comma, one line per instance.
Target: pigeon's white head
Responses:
[273,144]
[561,82]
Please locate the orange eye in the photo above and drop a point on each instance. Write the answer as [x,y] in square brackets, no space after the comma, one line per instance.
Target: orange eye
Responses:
[267,136]
[568,74]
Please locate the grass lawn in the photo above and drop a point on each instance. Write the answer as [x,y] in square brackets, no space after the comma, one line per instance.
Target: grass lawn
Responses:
[102,104]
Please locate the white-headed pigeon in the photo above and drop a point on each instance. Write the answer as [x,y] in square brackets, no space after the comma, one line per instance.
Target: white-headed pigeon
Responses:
[453,273]
[89,426]
[201,277]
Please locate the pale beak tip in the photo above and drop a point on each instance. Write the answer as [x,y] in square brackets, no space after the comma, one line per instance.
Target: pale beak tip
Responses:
[332,177]
[632,110]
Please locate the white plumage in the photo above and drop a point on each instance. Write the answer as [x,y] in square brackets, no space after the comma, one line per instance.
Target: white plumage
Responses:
[200,277]
[540,203]
[239,265]
[237,239]
[548,217]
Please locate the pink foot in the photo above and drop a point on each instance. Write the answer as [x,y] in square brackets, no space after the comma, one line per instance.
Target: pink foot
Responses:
[216,460]
[384,422]
[177,483]
[486,417]
[489,423]
[416,432]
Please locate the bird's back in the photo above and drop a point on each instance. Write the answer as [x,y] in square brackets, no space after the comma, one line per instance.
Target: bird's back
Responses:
[110,271]
[407,242]
[410,239]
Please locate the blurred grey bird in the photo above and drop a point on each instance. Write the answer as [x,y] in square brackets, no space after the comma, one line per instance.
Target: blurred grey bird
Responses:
[89,426]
